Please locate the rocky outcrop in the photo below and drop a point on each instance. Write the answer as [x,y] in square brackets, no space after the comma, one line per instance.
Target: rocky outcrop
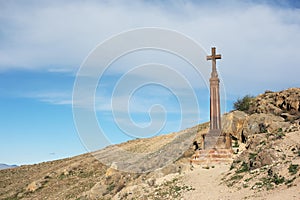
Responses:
[263,123]
[271,136]
[278,103]
[268,113]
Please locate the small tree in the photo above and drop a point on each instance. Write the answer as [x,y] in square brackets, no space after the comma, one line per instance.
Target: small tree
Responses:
[244,103]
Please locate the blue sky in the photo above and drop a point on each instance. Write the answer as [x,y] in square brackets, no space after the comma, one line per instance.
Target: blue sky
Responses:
[43,44]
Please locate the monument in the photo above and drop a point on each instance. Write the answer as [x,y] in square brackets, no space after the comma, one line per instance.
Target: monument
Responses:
[214,138]
[215,146]
[215,113]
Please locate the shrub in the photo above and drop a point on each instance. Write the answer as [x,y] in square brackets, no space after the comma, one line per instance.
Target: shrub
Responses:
[111,187]
[244,168]
[293,169]
[236,144]
[244,103]
[278,179]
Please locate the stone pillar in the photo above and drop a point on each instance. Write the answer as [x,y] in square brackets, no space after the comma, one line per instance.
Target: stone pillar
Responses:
[215,113]
[214,134]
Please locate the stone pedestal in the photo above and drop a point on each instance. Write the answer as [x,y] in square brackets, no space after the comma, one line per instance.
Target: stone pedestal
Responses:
[212,156]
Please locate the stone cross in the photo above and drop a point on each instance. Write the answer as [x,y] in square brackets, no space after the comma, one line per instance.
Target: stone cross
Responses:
[215,113]
[213,58]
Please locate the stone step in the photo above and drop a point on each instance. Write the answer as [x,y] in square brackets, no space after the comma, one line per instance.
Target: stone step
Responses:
[211,161]
[212,156]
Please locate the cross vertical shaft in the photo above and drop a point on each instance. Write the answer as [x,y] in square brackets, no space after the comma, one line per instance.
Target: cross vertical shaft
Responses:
[215,113]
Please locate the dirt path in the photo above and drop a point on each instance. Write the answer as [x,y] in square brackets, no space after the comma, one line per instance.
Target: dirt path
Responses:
[207,184]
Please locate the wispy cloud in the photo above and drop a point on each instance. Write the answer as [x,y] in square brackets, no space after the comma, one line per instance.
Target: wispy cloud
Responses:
[257,38]
[56,98]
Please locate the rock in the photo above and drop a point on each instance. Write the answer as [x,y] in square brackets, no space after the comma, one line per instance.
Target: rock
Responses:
[151,182]
[184,167]
[35,185]
[96,192]
[170,169]
[66,172]
[131,192]
[288,117]
[267,157]
[20,195]
[277,102]
[242,126]
[111,170]
[233,123]
[263,123]
[254,141]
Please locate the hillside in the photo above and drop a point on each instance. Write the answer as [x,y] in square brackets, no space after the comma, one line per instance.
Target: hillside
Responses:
[266,142]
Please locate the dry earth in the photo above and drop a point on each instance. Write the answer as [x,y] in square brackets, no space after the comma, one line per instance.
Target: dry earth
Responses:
[208,185]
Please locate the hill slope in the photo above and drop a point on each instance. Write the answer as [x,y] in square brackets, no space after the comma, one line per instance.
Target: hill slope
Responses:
[267,160]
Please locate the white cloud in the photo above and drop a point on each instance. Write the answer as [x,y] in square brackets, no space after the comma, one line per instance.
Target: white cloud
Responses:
[259,42]
[57,98]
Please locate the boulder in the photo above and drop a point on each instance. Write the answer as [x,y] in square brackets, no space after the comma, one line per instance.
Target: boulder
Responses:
[233,123]
[263,123]
[96,192]
[35,185]
[171,169]
[267,157]
[113,169]
[254,141]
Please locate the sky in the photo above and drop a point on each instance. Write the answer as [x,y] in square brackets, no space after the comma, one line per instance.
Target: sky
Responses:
[44,44]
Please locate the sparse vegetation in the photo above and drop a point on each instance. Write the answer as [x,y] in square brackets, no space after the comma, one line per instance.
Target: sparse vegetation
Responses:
[111,187]
[244,103]
[263,142]
[170,189]
[269,181]
[280,134]
[234,179]
[277,179]
[244,168]
[252,156]
[236,144]
[289,181]
[293,169]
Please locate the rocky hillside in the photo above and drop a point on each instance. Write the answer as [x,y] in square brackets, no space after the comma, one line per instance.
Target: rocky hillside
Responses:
[266,142]
[152,175]
[285,103]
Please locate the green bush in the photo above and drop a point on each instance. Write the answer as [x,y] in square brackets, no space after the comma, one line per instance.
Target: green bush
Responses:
[244,103]
[243,168]
[293,169]
[236,144]
[278,179]
[111,187]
